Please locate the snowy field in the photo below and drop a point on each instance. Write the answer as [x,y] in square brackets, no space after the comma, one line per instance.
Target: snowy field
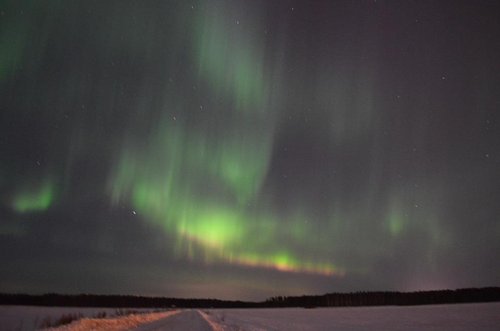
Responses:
[458,317]
[439,317]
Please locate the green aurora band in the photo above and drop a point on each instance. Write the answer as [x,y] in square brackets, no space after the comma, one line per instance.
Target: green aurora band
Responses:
[201,185]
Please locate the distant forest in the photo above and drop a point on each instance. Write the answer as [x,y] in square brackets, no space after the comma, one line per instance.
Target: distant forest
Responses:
[469,295]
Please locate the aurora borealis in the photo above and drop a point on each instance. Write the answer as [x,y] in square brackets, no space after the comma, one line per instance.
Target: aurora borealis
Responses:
[244,149]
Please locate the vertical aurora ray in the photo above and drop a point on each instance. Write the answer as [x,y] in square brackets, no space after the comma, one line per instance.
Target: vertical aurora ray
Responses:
[231,59]
[19,22]
[14,33]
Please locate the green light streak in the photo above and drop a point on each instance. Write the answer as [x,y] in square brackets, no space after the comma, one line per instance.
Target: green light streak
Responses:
[38,200]
[230,59]
[396,218]
[13,39]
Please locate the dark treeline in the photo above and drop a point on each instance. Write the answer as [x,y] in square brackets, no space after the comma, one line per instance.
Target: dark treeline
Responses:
[118,301]
[488,294]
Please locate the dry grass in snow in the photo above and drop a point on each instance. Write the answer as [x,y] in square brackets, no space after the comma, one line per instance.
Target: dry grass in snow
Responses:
[113,324]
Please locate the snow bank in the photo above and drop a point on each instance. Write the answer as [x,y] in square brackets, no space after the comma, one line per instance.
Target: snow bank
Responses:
[27,318]
[113,324]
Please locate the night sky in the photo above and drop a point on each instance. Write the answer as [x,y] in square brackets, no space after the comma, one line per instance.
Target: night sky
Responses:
[245,149]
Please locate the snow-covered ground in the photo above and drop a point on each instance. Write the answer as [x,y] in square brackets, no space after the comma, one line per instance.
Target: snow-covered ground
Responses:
[457,317]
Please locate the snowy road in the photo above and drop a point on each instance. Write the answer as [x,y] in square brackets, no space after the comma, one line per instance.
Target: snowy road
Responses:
[186,320]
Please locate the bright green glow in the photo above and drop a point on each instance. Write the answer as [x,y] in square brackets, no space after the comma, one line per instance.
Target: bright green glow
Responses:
[38,200]
[216,227]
